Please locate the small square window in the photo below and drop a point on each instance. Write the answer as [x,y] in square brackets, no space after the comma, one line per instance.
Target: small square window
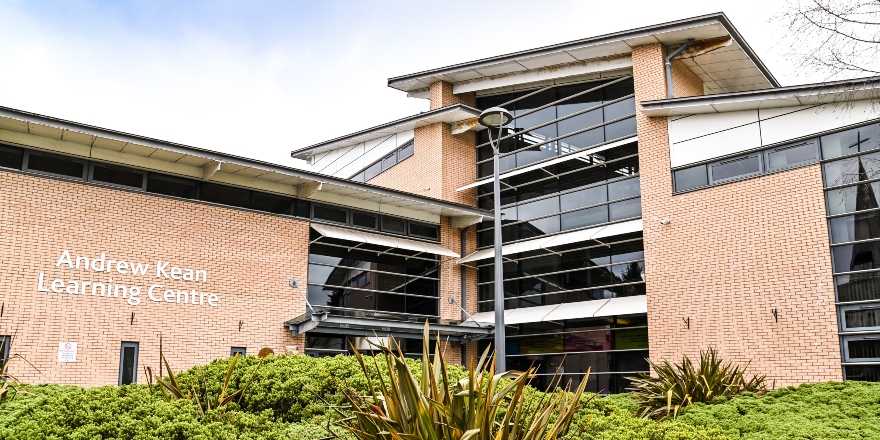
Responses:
[330,214]
[396,225]
[689,178]
[364,220]
[55,164]
[238,350]
[119,176]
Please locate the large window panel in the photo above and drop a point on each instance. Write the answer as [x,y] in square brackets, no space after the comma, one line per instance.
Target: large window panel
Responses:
[858,287]
[853,198]
[584,197]
[855,257]
[856,140]
[861,348]
[856,227]
[620,129]
[625,209]
[852,169]
[584,217]
[860,317]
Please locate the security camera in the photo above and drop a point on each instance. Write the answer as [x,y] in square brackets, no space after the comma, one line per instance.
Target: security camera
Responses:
[665,221]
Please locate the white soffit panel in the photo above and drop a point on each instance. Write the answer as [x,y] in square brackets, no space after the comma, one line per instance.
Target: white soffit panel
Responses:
[559,240]
[683,129]
[627,305]
[381,240]
[555,161]
[718,144]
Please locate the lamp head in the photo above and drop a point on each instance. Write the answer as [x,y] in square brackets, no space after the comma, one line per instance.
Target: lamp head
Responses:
[495,117]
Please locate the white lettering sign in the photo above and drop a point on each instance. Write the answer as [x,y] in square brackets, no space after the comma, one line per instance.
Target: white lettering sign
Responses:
[67,352]
[105,287]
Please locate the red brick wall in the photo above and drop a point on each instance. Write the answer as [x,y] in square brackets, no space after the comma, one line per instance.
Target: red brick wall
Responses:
[441,96]
[730,255]
[249,259]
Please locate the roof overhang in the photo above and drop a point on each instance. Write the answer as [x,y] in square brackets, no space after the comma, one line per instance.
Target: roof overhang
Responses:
[728,71]
[450,114]
[323,322]
[808,94]
[622,306]
[41,132]
[388,241]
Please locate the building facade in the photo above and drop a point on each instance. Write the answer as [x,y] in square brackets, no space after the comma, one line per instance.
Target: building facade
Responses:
[661,194]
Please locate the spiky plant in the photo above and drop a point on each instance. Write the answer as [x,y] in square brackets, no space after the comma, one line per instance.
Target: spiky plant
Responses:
[675,386]
[482,406]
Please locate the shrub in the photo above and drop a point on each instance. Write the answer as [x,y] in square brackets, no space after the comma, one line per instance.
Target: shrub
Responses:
[678,385]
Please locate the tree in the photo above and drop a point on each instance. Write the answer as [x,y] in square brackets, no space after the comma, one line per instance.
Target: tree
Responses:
[836,38]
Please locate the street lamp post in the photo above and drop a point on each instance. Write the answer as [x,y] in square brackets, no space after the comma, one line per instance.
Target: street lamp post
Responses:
[497,117]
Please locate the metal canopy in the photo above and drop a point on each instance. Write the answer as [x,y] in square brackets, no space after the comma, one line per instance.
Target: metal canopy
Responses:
[321,321]
[733,68]
[559,240]
[559,159]
[382,240]
[627,305]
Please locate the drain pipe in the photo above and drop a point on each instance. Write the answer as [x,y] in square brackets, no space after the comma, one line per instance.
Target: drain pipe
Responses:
[669,89]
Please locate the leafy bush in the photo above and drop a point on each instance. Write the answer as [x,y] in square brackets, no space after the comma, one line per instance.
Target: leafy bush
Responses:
[829,410]
[679,385]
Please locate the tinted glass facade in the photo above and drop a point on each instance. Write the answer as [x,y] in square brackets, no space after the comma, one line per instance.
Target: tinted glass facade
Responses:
[588,190]
[851,175]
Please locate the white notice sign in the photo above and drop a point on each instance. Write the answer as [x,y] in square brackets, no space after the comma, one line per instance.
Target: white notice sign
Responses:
[67,352]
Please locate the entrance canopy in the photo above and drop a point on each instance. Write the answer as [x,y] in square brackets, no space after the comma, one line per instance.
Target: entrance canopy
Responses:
[596,233]
[366,323]
[381,240]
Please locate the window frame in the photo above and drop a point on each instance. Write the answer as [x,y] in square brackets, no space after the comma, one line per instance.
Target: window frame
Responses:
[122,347]
[237,350]
[91,175]
[6,341]
[845,339]
[347,221]
[409,231]
[841,313]
[757,154]
[25,164]
[816,151]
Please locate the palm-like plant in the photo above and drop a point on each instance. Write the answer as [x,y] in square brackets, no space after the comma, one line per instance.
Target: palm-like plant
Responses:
[678,385]
[482,406]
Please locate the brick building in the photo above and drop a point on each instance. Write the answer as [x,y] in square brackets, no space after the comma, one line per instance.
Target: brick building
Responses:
[661,194]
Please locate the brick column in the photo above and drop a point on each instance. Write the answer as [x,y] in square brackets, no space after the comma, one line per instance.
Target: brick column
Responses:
[442,96]
[730,255]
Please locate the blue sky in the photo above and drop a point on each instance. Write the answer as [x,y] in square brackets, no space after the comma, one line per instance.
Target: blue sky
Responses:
[260,78]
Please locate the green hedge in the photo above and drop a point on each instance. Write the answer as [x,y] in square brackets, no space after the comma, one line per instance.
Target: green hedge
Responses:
[282,405]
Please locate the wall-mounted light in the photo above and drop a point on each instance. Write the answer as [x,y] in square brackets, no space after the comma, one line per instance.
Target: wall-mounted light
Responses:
[665,221]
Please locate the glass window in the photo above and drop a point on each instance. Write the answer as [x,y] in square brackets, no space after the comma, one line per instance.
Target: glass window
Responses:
[11,157]
[857,227]
[853,198]
[272,203]
[389,161]
[330,213]
[538,208]
[364,220]
[54,164]
[423,230]
[840,144]
[128,363]
[861,348]
[791,155]
[625,209]
[867,373]
[584,197]
[852,169]
[620,129]
[623,189]
[238,350]
[372,171]
[172,186]
[858,287]
[406,151]
[693,177]
[735,168]
[534,228]
[853,257]
[585,217]
[118,176]
[225,195]
[633,250]
[359,177]
[860,317]
[5,345]
[620,109]
[396,225]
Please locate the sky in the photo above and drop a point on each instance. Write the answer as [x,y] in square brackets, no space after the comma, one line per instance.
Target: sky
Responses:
[261,78]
